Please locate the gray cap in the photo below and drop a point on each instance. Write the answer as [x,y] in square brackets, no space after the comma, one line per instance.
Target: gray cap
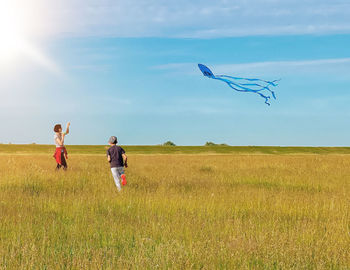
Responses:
[113,140]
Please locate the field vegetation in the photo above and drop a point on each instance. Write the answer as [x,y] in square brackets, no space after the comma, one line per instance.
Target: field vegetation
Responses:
[209,148]
[183,207]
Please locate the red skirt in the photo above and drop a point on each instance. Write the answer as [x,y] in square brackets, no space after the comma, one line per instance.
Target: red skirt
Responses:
[57,154]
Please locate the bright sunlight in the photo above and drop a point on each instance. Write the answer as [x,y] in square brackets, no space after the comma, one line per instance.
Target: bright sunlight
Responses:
[17,24]
[11,30]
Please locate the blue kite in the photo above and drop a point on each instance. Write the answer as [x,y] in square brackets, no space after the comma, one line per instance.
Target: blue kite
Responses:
[243,84]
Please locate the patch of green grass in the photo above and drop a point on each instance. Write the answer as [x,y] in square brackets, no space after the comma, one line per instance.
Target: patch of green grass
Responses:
[160,149]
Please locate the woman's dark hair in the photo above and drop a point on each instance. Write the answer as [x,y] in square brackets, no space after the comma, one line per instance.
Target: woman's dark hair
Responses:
[57,128]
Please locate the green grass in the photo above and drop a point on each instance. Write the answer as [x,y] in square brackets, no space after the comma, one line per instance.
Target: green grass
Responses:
[158,149]
[203,211]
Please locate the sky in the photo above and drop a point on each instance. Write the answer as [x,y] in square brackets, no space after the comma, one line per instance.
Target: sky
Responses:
[129,69]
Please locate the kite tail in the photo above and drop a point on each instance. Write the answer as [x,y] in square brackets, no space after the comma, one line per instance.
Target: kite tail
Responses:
[244,87]
[236,86]
[267,98]
[273,83]
[261,84]
[272,92]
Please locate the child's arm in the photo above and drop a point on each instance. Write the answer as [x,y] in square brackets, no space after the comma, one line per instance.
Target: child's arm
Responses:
[125,159]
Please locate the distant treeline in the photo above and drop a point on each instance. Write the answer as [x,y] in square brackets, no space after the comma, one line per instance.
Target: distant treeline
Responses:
[170,143]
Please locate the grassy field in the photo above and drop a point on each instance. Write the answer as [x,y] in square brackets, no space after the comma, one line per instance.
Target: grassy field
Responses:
[213,208]
[152,149]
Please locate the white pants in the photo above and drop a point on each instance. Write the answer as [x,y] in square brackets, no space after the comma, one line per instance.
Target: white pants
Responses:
[117,172]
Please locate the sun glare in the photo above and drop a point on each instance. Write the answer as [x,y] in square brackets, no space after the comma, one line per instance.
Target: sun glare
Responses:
[18,21]
[10,31]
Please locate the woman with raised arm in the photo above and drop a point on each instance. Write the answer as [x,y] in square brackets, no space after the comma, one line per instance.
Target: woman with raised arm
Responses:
[60,154]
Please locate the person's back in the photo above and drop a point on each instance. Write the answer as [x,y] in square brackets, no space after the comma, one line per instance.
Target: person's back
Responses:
[117,160]
[116,156]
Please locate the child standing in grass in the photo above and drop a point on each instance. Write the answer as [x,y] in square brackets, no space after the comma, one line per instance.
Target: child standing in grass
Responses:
[61,153]
[117,160]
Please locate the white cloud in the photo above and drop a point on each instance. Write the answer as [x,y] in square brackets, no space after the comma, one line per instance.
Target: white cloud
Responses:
[196,18]
[333,65]
[285,64]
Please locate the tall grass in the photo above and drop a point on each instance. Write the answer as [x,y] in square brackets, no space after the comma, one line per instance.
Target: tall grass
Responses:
[177,211]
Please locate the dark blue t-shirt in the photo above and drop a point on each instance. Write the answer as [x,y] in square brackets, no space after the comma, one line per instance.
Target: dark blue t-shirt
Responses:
[115,152]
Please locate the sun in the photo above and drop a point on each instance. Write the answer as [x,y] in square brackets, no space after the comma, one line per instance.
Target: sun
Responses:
[18,24]
[11,31]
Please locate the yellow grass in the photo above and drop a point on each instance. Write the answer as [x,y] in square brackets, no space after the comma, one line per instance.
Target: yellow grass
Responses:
[177,211]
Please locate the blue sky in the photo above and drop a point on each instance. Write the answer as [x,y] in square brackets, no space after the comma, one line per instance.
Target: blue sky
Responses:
[130,69]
